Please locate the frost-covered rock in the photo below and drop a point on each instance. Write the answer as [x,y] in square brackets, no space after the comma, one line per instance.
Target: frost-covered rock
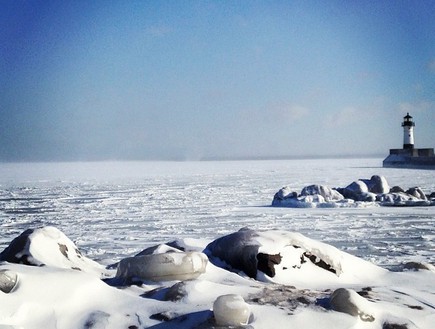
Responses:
[350,302]
[163,267]
[48,246]
[231,310]
[327,193]
[417,192]
[293,257]
[285,193]
[361,193]
[8,280]
[377,184]
[401,199]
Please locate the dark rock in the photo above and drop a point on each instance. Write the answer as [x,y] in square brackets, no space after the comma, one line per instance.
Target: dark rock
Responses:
[237,250]
[266,263]
[416,192]
[415,266]
[164,316]
[176,292]
[14,252]
[319,262]
[397,189]
[343,300]
[387,325]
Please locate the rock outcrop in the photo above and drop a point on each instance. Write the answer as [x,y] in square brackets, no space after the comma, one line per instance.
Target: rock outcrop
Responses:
[361,193]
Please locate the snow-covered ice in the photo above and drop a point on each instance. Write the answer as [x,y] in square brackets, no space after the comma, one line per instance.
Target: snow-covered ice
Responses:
[112,211]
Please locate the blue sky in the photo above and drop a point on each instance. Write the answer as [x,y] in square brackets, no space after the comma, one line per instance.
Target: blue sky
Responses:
[186,80]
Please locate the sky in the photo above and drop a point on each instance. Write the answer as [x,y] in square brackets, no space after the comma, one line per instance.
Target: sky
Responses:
[192,80]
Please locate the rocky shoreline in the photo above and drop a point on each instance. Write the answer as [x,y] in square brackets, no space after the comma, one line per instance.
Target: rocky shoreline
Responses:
[361,193]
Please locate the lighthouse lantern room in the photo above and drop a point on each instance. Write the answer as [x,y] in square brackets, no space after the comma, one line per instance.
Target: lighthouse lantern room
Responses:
[408,132]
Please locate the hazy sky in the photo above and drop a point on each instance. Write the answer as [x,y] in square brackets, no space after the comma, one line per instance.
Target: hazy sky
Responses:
[96,80]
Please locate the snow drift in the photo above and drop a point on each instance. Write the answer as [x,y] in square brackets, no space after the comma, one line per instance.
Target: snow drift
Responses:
[296,282]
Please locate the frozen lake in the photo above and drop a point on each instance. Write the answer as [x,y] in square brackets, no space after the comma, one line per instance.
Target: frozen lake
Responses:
[115,209]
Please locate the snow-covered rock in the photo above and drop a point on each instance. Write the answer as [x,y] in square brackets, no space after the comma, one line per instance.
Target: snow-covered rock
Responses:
[291,257]
[377,184]
[350,302]
[304,273]
[325,192]
[401,199]
[361,193]
[48,246]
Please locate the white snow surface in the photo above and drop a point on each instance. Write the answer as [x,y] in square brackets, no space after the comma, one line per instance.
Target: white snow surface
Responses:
[114,210]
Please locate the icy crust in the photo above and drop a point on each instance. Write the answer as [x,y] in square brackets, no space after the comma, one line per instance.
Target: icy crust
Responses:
[362,193]
[313,283]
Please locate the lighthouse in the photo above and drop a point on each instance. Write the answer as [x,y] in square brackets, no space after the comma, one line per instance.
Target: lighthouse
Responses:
[408,156]
[408,132]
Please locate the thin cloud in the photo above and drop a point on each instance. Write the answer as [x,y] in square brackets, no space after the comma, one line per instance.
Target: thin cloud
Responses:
[344,117]
[416,107]
[289,112]
[158,30]
[431,66]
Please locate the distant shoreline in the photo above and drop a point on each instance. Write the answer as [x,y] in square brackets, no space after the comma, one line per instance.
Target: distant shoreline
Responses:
[200,159]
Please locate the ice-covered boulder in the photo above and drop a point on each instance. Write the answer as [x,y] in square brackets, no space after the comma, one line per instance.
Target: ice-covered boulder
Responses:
[325,192]
[48,246]
[416,192]
[401,199]
[288,257]
[163,267]
[361,193]
[285,193]
[350,302]
[377,184]
[8,280]
[231,310]
[357,191]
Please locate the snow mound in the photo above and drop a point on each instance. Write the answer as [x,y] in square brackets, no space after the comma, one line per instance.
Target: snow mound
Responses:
[361,193]
[50,247]
[288,257]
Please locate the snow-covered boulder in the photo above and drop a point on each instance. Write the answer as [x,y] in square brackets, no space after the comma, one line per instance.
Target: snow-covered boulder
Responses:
[401,199]
[350,302]
[377,184]
[417,192]
[286,257]
[48,246]
[357,191]
[325,192]
[285,193]
[361,193]
[163,267]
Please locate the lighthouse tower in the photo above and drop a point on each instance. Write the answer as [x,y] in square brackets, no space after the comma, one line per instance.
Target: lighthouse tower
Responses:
[408,132]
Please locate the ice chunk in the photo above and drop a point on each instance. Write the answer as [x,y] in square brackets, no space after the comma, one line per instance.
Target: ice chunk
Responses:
[8,280]
[163,267]
[231,310]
